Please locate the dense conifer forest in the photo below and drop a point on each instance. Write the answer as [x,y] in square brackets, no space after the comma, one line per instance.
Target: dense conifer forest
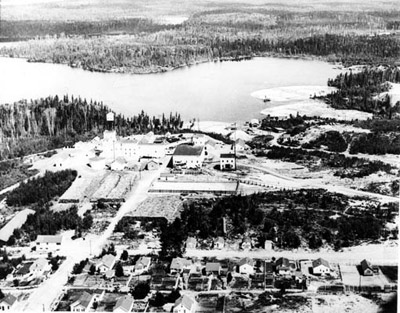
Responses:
[48,123]
[289,218]
[219,34]
[41,190]
[360,91]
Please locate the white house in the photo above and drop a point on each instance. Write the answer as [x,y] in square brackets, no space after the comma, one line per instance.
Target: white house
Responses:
[240,145]
[191,243]
[40,266]
[188,156]
[227,161]
[321,266]
[179,264]
[124,304]
[47,243]
[142,264]
[106,263]
[7,303]
[85,302]
[219,243]
[268,245]
[254,122]
[185,304]
[199,139]
[118,165]
[246,266]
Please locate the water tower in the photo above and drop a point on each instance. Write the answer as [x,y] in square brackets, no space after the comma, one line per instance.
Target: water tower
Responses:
[110,121]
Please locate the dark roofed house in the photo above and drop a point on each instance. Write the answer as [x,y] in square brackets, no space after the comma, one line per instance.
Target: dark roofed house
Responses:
[227,161]
[283,266]
[83,304]
[367,269]
[321,266]
[188,155]
[7,302]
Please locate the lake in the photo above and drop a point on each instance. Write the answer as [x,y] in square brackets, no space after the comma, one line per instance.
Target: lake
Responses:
[209,91]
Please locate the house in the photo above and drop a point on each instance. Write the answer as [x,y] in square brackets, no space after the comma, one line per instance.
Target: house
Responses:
[23,270]
[128,269]
[199,139]
[16,222]
[142,264]
[240,145]
[152,165]
[321,266]
[246,244]
[40,266]
[109,274]
[118,165]
[246,266]
[84,303]
[283,266]
[46,243]
[179,264]
[268,245]
[188,156]
[106,263]
[185,304]
[191,243]
[213,268]
[219,243]
[227,161]
[7,303]
[367,269]
[124,304]
[254,122]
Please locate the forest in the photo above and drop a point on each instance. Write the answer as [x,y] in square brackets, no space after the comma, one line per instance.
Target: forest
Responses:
[48,123]
[289,218]
[223,34]
[333,141]
[360,91]
[40,190]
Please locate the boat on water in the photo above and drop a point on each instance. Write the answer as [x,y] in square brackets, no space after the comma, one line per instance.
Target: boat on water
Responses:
[266,99]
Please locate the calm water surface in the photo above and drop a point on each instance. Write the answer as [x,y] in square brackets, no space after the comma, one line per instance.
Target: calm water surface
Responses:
[209,91]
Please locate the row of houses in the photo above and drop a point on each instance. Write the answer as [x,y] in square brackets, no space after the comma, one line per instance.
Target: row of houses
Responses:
[220,243]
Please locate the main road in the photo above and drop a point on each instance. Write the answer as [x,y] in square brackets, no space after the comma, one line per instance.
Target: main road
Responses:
[77,250]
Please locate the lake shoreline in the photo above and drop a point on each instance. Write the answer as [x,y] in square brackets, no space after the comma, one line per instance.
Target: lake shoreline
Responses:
[159,69]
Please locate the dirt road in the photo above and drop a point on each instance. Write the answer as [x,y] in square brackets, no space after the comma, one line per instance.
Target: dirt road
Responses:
[77,250]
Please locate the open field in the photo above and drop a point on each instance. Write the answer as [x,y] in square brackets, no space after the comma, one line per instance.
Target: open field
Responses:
[159,206]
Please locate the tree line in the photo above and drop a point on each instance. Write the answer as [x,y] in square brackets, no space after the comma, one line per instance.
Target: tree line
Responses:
[360,91]
[40,190]
[48,123]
